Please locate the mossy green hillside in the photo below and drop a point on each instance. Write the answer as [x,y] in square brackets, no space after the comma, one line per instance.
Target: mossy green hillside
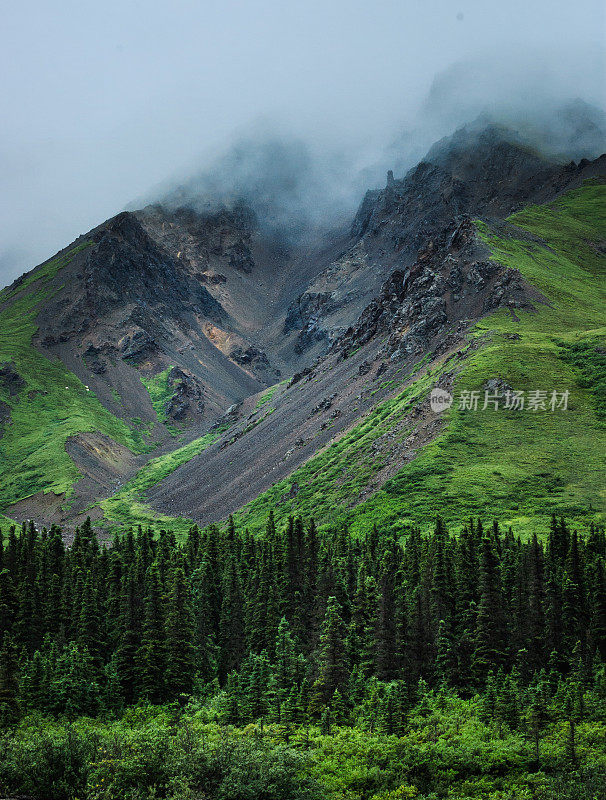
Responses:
[160,391]
[6,523]
[508,464]
[516,465]
[128,507]
[44,273]
[52,405]
[513,465]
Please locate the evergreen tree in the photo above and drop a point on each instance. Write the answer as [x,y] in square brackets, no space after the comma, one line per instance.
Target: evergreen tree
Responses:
[179,637]
[598,608]
[152,653]
[231,626]
[387,661]
[126,658]
[332,657]
[9,603]
[364,618]
[446,657]
[89,633]
[9,683]
[285,661]
[490,637]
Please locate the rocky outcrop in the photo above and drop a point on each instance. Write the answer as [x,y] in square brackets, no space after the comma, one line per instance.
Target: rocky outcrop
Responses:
[249,357]
[188,395]
[137,346]
[10,380]
[445,287]
[93,358]
[202,241]
[127,264]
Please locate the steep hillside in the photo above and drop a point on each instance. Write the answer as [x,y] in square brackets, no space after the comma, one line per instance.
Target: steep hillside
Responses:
[214,366]
[400,462]
[161,339]
[512,463]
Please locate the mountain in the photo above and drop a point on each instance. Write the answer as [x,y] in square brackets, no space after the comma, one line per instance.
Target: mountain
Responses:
[184,361]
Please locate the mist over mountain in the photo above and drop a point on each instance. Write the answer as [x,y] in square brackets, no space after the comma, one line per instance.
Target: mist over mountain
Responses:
[289,188]
[297,190]
[329,144]
[270,269]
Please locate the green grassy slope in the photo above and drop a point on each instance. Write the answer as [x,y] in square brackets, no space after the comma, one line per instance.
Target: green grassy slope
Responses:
[160,392]
[52,405]
[513,465]
[128,507]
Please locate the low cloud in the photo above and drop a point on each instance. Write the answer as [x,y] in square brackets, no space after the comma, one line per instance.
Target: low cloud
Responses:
[299,120]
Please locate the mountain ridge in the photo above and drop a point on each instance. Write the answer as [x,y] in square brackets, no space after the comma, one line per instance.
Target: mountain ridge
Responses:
[202,311]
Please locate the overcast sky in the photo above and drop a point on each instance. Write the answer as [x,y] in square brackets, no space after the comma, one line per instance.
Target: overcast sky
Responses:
[102,101]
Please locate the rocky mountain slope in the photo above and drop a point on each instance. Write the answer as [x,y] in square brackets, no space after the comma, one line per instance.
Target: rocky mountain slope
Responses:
[177,364]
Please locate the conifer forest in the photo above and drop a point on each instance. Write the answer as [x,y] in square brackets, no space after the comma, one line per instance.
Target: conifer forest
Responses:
[304,664]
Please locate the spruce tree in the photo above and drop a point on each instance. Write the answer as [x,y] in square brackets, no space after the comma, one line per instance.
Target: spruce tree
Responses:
[490,636]
[89,633]
[127,651]
[179,637]
[387,661]
[152,653]
[285,661]
[598,608]
[9,683]
[231,627]
[364,618]
[9,603]
[446,656]
[332,657]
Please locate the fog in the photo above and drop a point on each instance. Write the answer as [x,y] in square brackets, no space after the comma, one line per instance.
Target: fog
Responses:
[302,104]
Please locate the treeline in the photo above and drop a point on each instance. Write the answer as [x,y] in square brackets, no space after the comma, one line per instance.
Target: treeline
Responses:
[300,624]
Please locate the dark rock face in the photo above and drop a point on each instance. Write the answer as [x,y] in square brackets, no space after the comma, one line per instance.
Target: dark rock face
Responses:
[444,286]
[240,257]
[311,333]
[10,378]
[188,395]
[212,280]
[303,316]
[138,345]
[94,360]
[484,172]
[127,265]
[365,211]
[323,405]
[298,376]
[202,238]
[123,269]
[443,275]
[249,357]
[478,172]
